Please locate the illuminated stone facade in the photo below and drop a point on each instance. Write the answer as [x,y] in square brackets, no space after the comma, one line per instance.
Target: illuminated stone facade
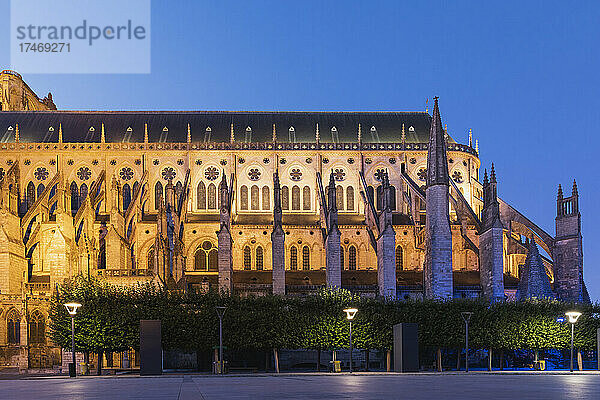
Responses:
[186,199]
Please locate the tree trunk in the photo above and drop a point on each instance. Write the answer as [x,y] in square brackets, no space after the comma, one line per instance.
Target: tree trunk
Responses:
[458,360]
[276,358]
[490,355]
[267,361]
[389,361]
[438,360]
[319,359]
[367,351]
[579,360]
[99,366]
[502,360]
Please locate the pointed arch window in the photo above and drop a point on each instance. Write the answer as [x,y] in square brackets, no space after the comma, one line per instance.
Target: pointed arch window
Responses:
[102,254]
[370,194]
[342,266]
[293,258]
[212,196]
[392,198]
[306,258]
[295,198]
[379,197]
[126,196]
[213,260]
[306,198]
[200,261]
[205,258]
[201,196]
[352,258]
[83,192]
[150,261]
[339,197]
[285,198]
[244,197]
[247,258]
[259,258]
[13,325]
[158,194]
[30,194]
[37,328]
[254,197]
[266,198]
[399,259]
[40,189]
[74,197]
[350,198]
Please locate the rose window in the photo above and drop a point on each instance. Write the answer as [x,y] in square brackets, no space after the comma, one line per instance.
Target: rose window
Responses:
[41,173]
[84,173]
[422,174]
[295,174]
[254,174]
[339,174]
[457,177]
[168,173]
[126,173]
[211,173]
[379,174]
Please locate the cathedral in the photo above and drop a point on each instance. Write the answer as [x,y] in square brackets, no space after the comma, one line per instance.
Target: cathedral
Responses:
[384,204]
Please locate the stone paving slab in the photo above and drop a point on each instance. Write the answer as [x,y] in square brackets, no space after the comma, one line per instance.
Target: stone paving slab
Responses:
[501,386]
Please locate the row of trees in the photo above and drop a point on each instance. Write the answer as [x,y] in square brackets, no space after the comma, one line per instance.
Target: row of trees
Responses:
[109,321]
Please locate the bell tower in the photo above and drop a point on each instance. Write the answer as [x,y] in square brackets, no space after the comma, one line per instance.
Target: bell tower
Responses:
[568,249]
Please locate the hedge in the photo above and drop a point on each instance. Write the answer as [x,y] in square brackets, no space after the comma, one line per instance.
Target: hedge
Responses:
[110,315]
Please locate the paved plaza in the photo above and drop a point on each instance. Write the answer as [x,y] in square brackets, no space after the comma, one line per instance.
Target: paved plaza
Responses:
[311,386]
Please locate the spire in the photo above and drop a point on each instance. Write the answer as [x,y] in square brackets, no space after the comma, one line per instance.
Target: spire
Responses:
[359,134]
[274,134]
[317,137]
[437,160]
[485,178]
[446,132]
[232,135]
[145,133]
[470,137]
[560,192]
[102,135]
[60,135]
[534,282]
[574,193]
[426,105]
[477,146]
[17,133]
[189,134]
[492,174]
[331,194]
[277,213]
[403,137]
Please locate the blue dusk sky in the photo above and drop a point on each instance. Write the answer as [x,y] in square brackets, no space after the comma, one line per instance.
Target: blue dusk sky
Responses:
[522,74]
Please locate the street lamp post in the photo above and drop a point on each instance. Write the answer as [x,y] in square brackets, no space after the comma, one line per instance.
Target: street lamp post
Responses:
[350,313]
[72,310]
[221,313]
[573,317]
[466,316]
